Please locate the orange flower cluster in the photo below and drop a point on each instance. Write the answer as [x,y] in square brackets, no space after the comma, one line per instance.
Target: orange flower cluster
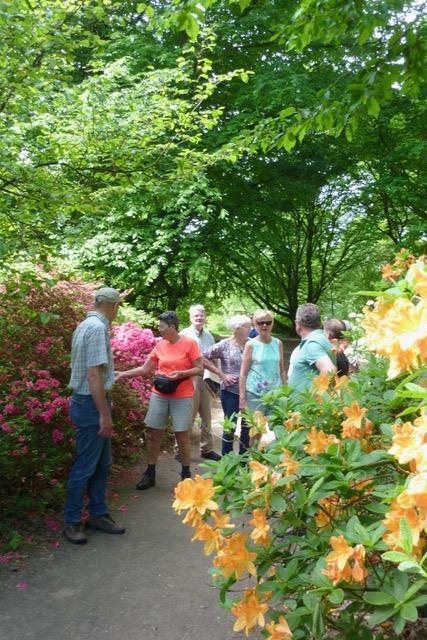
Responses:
[195,494]
[392,524]
[356,426]
[398,330]
[330,508]
[261,527]
[401,264]
[258,424]
[410,447]
[249,612]
[290,465]
[259,472]
[234,558]
[321,383]
[279,630]
[211,537]
[293,421]
[345,562]
[410,443]
[318,441]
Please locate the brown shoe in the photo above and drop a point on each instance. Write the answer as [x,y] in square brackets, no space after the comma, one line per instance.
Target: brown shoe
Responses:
[105,524]
[74,533]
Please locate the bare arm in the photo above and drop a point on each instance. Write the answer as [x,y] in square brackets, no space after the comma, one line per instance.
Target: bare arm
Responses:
[325,364]
[226,377]
[282,364]
[196,370]
[244,370]
[146,370]
[95,381]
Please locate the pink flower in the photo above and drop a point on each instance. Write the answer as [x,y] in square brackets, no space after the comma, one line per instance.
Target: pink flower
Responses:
[9,409]
[22,585]
[57,436]
[52,524]
[6,428]
[124,508]
[55,544]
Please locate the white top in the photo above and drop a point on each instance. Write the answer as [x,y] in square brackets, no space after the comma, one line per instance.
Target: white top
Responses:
[204,339]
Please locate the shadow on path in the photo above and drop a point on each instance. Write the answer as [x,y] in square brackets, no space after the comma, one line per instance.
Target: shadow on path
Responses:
[151,583]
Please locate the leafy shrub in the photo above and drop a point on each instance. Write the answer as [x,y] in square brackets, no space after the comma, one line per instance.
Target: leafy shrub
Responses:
[327,523]
[37,318]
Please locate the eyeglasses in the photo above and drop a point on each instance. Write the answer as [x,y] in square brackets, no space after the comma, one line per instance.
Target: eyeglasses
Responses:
[266,322]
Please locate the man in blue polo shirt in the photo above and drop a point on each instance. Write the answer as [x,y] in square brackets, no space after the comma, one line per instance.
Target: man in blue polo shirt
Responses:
[314,353]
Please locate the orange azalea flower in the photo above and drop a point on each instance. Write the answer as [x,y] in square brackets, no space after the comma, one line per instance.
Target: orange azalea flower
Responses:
[417,492]
[193,518]
[319,441]
[249,612]
[211,537]
[235,558]
[392,524]
[321,382]
[261,527]
[341,381]
[222,520]
[195,494]
[352,427]
[259,472]
[389,273]
[258,424]
[341,553]
[335,575]
[293,421]
[417,276]
[290,465]
[359,571]
[407,440]
[330,508]
[279,630]
[338,561]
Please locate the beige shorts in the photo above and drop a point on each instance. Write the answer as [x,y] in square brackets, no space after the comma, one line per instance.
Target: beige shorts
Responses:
[161,408]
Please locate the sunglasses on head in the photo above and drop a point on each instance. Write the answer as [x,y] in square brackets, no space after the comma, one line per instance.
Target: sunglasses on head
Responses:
[266,322]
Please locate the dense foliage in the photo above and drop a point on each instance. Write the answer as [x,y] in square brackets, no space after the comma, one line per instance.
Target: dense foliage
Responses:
[38,315]
[163,163]
[322,533]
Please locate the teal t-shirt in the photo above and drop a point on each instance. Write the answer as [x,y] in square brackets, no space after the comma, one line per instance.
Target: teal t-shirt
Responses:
[312,348]
[264,371]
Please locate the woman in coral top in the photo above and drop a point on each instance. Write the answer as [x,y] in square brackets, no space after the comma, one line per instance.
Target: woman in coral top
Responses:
[174,360]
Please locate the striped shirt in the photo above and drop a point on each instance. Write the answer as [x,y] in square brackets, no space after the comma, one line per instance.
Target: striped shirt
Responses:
[90,348]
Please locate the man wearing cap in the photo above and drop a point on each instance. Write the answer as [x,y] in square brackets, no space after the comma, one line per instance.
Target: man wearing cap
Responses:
[92,376]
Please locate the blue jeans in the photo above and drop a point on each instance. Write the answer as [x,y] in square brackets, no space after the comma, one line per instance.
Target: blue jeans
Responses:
[92,464]
[230,405]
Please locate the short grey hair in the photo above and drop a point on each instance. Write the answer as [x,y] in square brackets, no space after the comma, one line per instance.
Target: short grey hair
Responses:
[238,321]
[308,315]
[197,308]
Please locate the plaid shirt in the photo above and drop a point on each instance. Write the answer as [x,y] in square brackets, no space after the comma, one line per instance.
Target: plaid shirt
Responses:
[90,348]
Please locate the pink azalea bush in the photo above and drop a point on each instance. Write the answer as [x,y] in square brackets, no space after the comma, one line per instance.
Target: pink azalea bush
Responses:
[37,318]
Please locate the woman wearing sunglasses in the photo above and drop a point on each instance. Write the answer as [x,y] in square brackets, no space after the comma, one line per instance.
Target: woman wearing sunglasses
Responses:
[263,365]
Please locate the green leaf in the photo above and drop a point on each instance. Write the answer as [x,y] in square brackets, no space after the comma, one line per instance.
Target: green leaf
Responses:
[278,502]
[289,111]
[191,26]
[395,556]
[406,535]
[413,589]
[379,598]
[244,4]
[336,596]
[380,615]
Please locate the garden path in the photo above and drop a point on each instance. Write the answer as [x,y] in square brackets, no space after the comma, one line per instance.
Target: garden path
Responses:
[149,584]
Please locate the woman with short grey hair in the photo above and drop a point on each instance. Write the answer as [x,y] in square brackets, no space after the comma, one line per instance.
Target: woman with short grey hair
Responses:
[229,352]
